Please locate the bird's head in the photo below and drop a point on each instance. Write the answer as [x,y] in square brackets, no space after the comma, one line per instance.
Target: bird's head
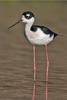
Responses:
[28,17]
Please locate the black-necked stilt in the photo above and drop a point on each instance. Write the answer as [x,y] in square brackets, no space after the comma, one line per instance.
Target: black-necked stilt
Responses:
[37,35]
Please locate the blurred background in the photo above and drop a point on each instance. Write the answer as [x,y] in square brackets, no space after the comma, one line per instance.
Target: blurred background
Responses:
[16,55]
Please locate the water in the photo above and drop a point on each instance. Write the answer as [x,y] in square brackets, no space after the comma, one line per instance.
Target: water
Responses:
[16,57]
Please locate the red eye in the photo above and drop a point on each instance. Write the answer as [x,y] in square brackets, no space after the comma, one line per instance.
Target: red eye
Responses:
[28,16]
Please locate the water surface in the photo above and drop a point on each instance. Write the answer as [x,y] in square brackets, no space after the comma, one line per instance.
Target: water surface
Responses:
[16,55]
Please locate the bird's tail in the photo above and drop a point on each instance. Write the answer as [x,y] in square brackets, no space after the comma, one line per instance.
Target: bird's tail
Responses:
[55,34]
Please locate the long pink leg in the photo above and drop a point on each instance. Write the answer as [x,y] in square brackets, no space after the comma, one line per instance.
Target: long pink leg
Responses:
[47,66]
[33,95]
[34,60]
[34,53]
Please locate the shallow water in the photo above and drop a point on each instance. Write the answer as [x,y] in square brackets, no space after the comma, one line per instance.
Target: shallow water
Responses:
[16,57]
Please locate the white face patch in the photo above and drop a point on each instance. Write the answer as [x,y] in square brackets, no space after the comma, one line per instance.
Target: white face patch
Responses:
[28,15]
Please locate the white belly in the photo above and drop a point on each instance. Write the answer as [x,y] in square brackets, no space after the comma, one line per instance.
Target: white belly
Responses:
[41,41]
[38,37]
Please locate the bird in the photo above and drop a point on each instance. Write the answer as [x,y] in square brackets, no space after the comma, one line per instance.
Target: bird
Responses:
[37,35]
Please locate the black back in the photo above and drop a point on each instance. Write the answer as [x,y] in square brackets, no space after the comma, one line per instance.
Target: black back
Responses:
[44,29]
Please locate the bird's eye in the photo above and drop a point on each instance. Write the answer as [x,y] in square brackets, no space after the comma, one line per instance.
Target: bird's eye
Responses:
[28,16]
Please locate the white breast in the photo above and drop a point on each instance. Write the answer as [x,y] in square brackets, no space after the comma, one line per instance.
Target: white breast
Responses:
[38,37]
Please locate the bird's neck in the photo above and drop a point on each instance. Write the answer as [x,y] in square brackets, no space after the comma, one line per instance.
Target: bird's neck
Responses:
[28,30]
[28,26]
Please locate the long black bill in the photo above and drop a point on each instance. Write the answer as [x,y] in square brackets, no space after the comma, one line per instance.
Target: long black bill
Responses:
[15,24]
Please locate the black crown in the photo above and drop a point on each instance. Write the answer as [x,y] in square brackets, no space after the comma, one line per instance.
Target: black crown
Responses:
[28,14]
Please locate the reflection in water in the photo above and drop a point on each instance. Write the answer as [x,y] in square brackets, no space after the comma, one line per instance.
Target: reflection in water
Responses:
[16,62]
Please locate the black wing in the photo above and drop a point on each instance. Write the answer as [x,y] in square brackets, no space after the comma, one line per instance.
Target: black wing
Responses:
[44,29]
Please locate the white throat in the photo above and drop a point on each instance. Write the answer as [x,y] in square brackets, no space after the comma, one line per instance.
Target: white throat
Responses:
[28,31]
[28,26]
